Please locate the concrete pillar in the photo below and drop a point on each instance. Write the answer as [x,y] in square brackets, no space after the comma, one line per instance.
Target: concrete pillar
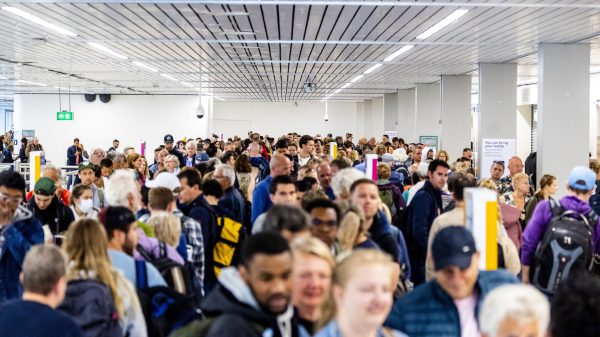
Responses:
[456,115]
[377,118]
[428,107]
[497,104]
[407,115]
[390,112]
[563,110]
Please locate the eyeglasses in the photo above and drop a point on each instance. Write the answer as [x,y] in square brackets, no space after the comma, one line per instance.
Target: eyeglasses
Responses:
[319,222]
[10,198]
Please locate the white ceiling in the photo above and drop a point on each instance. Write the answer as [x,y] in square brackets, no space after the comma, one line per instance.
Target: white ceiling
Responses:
[328,41]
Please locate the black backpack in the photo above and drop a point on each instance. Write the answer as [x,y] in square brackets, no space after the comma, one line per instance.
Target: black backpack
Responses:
[566,248]
[165,310]
[178,277]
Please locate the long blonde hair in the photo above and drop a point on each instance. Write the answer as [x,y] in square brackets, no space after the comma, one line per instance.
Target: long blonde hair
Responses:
[348,265]
[351,225]
[86,245]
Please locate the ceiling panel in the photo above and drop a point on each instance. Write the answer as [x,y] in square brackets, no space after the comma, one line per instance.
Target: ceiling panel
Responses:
[261,51]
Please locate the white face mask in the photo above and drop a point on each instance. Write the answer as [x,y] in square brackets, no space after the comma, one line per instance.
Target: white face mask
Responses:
[86,205]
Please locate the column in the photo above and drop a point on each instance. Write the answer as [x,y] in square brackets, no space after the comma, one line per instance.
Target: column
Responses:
[456,114]
[406,115]
[563,109]
[390,112]
[497,106]
[428,107]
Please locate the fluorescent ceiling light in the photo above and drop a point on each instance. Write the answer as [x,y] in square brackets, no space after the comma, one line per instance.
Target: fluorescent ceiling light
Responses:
[32,83]
[224,13]
[357,78]
[39,21]
[169,77]
[373,68]
[457,14]
[3,78]
[145,66]
[187,84]
[399,52]
[346,85]
[106,50]
[231,32]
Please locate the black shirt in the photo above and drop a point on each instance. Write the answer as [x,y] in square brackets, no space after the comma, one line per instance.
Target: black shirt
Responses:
[32,319]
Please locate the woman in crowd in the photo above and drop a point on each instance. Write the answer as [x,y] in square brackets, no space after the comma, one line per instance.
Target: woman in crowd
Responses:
[361,296]
[548,187]
[134,162]
[143,170]
[351,233]
[442,155]
[22,155]
[167,229]
[243,173]
[81,202]
[311,275]
[172,164]
[514,310]
[98,298]
[520,195]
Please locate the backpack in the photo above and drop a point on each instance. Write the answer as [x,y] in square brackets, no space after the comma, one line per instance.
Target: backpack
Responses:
[178,277]
[566,248]
[387,197]
[229,237]
[165,310]
[200,327]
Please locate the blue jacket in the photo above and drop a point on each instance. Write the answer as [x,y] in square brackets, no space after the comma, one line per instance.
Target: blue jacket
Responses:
[260,198]
[381,233]
[429,311]
[234,202]
[19,236]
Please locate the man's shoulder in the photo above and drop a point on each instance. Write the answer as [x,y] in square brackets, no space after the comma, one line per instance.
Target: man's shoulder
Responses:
[232,324]
[493,278]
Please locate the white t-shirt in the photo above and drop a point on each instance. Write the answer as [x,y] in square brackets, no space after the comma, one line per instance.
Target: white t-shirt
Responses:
[466,311]
[303,161]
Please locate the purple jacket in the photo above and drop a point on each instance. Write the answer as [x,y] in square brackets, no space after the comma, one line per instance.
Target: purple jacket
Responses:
[151,245]
[536,227]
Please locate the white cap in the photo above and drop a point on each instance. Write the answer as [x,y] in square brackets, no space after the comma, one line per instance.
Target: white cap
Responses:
[164,179]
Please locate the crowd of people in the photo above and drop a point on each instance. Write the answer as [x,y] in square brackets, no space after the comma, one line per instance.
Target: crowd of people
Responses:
[258,236]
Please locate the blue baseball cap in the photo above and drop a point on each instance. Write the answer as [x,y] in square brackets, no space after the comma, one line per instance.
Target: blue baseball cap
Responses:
[453,246]
[582,178]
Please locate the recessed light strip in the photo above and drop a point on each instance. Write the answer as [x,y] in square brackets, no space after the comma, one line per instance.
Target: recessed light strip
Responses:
[357,78]
[38,20]
[107,50]
[169,77]
[32,83]
[373,68]
[457,14]
[145,66]
[399,52]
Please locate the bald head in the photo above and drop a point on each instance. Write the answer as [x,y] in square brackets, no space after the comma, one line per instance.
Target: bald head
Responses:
[515,165]
[280,165]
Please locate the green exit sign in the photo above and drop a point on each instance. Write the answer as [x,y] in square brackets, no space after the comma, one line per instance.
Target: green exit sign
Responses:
[64,116]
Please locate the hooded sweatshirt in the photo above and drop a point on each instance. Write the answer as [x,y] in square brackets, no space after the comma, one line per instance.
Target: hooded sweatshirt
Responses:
[540,220]
[240,315]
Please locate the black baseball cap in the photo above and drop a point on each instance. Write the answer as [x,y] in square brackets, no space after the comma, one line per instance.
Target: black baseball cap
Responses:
[453,246]
[168,138]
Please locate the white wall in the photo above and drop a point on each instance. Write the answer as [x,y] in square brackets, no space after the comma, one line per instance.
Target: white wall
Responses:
[127,118]
[524,131]
[275,119]
[407,115]
[390,112]
[428,106]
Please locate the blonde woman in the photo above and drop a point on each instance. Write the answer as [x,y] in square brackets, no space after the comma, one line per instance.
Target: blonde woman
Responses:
[520,195]
[361,296]
[442,155]
[100,300]
[172,163]
[311,278]
[351,233]
[167,229]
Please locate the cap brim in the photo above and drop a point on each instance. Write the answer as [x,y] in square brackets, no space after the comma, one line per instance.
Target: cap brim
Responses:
[461,261]
[150,184]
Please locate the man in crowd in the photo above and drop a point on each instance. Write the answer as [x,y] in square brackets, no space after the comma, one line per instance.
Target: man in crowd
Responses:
[45,283]
[254,300]
[231,199]
[34,146]
[87,174]
[325,216]
[168,140]
[447,305]
[121,228]
[318,147]
[282,191]
[52,172]
[307,146]
[424,208]
[191,159]
[48,209]
[73,158]
[325,176]
[115,146]
[279,166]
[97,155]
[19,231]
[292,152]
[574,310]
[496,172]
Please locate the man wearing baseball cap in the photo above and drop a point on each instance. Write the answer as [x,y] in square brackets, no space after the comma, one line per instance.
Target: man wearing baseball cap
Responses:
[446,305]
[87,174]
[48,209]
[168,140]
[580,186]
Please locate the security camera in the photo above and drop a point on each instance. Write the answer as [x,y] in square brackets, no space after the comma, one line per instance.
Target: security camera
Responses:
[326,118]
[200,114]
